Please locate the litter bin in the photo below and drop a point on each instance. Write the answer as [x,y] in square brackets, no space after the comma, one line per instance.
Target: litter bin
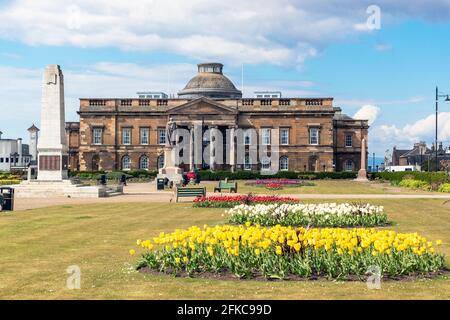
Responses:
[8,198]
[160,184]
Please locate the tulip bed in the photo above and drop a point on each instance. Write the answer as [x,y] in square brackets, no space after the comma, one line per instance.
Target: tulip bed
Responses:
[232,201]
[318,215]
[282,252]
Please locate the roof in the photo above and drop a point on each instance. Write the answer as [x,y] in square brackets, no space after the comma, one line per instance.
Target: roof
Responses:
[210,83]
[33,128]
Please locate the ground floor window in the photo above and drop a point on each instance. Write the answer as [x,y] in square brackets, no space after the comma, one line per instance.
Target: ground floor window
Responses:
[265,164]
[348,165]
[284,163]
[247,162]
[160,162]
[126,163]
[143,163]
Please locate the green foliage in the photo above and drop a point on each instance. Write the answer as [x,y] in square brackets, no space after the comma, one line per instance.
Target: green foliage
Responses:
[113,175]
[429,177]
[253,175]
[445,187]
[414,184]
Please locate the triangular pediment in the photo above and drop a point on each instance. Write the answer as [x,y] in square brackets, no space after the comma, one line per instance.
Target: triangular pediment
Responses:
[202,106]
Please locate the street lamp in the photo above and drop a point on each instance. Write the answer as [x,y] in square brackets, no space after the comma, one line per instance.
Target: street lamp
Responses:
[447,99]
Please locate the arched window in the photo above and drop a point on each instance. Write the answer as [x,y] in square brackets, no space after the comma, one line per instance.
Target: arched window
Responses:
[143,163]
[348,165]
[160,162]
[126,163]
[284,163]
[265,163]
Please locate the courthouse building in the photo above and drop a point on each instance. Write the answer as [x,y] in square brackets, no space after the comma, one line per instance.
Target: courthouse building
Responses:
[130,133]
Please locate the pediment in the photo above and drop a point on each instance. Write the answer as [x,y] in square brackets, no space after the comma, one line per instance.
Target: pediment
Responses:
[202,106]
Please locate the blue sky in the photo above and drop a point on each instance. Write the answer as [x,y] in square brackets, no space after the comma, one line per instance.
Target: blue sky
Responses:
[303,48]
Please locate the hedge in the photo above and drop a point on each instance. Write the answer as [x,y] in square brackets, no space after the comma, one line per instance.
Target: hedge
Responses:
[253,175]
[430,177]
[93,175]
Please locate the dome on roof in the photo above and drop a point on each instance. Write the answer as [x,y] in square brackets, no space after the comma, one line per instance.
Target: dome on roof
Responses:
[211,83]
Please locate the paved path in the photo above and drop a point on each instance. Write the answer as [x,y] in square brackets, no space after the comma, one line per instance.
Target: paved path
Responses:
[145,192]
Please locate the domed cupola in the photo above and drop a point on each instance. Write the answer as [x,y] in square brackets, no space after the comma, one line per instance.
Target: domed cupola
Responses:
[210,83]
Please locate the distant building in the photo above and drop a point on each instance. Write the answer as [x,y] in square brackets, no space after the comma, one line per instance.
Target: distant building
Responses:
[419,155]
[267,94]
[15,155]
[151,95]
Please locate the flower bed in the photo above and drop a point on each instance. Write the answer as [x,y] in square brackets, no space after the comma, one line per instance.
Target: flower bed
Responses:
[280,182]
[318,215]
[5,182]
[231,201]
[280,252]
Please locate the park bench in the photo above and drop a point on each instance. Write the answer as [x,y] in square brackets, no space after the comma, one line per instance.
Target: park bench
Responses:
[187,192]
[2,201]
[225,185]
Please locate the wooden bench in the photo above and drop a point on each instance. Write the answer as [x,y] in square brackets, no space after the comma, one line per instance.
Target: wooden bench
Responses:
[224,185]
[187,192]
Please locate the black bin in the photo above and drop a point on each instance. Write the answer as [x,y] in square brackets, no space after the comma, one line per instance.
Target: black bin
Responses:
[8,198]
[159,184]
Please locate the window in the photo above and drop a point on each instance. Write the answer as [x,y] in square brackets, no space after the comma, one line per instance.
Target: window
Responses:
[247,162]
[348,140]
[160,162]
[284,163]
[126,163]
[97,134]
[248,137]
[126,136]
[265,164]
[266,136]
[161,136]
[284,136]
[349,165]
[144,134]
[314,136]
[143,163]
[1,160]
[7,160]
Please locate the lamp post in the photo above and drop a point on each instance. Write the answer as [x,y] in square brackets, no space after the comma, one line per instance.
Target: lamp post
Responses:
[447,99]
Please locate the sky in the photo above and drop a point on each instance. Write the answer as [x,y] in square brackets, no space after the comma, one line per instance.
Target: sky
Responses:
[379,60]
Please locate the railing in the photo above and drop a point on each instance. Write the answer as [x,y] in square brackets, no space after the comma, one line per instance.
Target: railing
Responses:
[161,102]
[127,102]
[97,102]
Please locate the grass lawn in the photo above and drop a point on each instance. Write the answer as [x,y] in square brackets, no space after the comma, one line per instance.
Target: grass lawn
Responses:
[324,187]
[38,245]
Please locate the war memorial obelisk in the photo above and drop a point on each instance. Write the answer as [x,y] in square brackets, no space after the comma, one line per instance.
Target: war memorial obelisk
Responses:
[52,178]
[52,146]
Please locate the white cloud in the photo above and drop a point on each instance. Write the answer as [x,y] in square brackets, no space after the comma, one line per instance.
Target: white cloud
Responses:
[421,130]
[367,112]
[279,32]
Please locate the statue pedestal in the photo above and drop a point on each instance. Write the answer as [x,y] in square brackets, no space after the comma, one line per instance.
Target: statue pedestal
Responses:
[170,171]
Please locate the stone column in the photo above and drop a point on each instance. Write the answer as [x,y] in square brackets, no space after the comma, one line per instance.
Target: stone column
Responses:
[232,155]
[191,149]
[362,173]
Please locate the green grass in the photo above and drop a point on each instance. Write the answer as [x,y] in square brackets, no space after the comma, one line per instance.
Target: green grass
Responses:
[38,245]
[323,187]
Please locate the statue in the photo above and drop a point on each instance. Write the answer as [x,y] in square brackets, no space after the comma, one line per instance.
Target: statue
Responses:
[170,129]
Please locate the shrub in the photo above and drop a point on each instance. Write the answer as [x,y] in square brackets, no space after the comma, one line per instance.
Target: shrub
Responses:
[5,182]
[253,175]
[445,187]
[280,252]
[429,177]
[317,215]
[414,184]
